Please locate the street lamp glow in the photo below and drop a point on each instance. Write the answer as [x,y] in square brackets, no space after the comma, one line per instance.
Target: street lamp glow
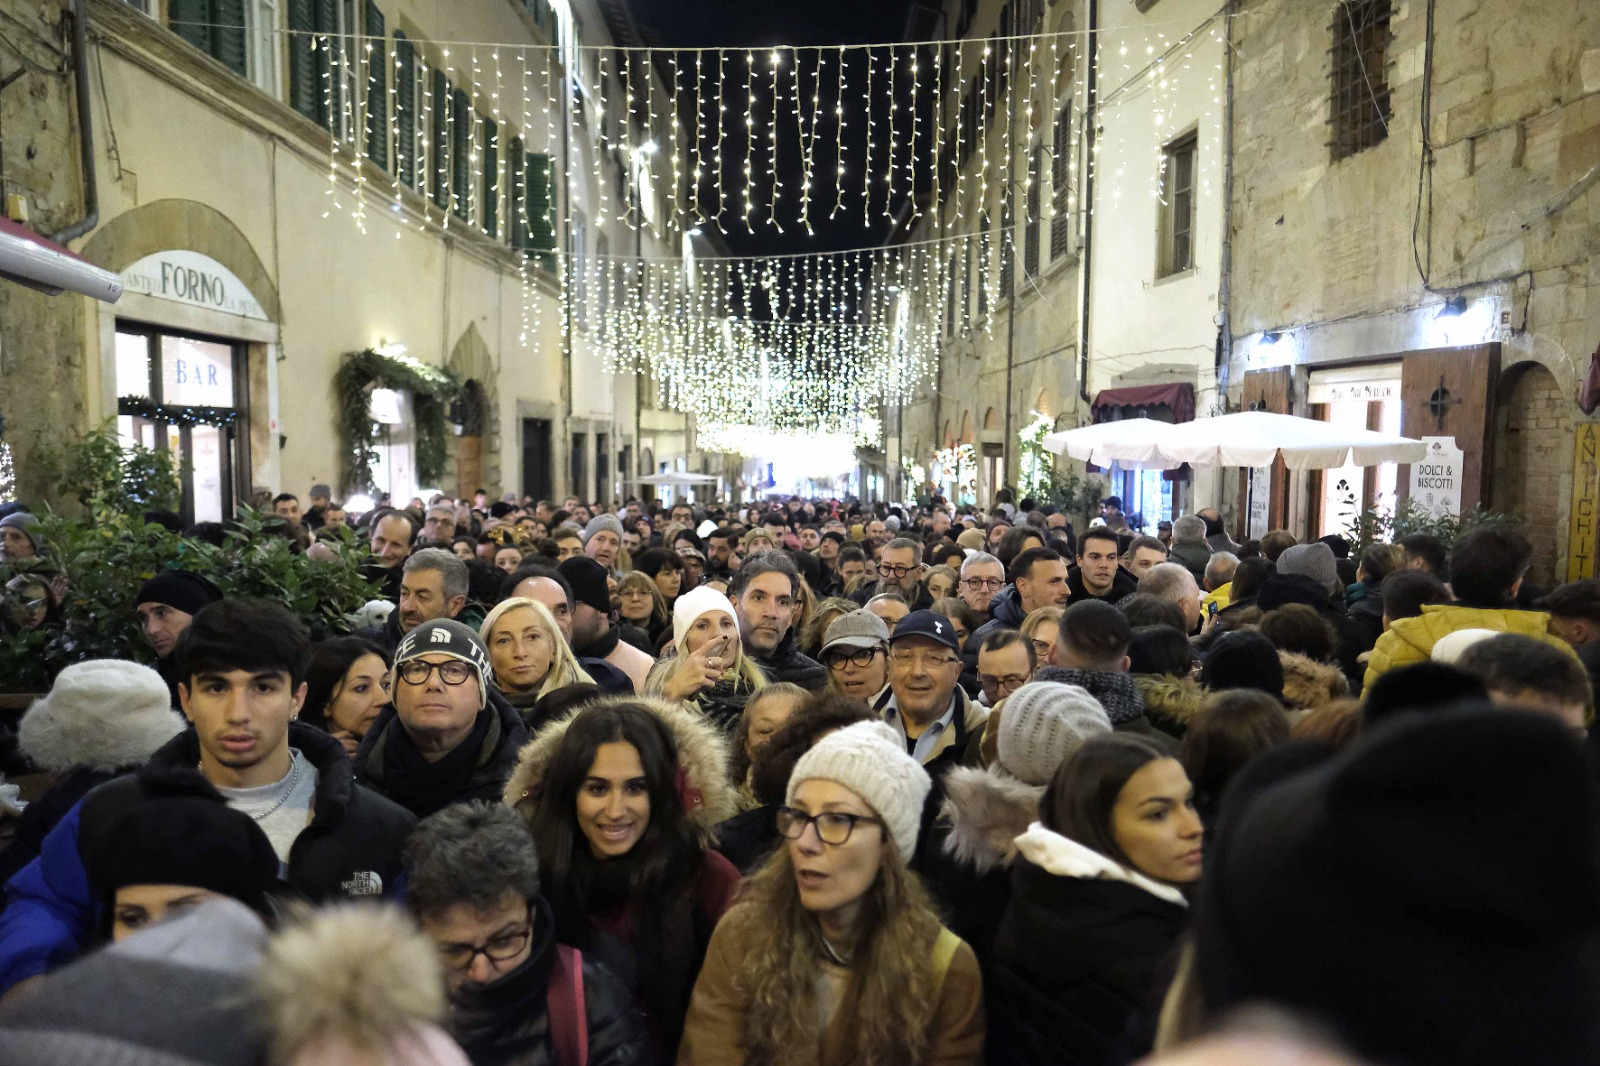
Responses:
[648,148]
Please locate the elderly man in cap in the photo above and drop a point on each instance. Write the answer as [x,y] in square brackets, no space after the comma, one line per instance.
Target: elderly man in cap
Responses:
[167,603]
[926,703]
[595,634]
[855,650]
[449,736]
[602,540]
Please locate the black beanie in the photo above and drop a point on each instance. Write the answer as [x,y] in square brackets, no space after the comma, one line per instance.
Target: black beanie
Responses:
[588,581]
[1432,895]
[1245,659]
[180,589]
[169,826]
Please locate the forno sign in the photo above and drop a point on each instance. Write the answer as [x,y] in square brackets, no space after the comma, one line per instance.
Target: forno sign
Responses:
[191,278]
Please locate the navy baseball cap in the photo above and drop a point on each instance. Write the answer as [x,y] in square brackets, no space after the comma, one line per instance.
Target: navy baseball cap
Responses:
[930,624]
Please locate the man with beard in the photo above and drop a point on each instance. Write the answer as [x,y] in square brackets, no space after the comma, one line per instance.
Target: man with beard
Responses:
[764,592]
[433,585]
[167,604]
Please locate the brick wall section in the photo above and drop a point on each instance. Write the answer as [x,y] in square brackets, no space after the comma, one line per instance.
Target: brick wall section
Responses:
[1535,435]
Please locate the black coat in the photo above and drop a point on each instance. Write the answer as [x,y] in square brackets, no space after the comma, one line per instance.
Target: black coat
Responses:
[749,837]
[352,847]
[507,1022]
[788,663]
[388,761]
[1122,584]
[1073,959]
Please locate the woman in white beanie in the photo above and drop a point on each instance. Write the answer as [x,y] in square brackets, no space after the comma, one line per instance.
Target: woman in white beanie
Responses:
[708,669]
[833,954]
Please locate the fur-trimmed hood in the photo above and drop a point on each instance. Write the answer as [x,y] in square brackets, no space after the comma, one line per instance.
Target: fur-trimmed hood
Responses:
[1171,702]
[987,810]
[702,757]
[1308,684]
[100,734]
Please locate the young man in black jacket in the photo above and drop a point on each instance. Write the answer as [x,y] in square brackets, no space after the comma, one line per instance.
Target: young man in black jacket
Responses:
[243,666]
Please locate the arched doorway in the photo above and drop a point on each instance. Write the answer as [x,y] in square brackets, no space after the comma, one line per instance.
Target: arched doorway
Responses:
[1533,434]
[474,444]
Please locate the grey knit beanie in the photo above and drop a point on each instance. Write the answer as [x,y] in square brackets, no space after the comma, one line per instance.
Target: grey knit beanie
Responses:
[870,760]
[599,522]
[1042,724]
[1314,560]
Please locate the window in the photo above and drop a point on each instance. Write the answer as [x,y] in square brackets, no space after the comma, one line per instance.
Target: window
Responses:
[461,131]
[1060,185]
[985,260]
[1030,235]
[1177,206]
[491,177]
[323,66]
[1359,105]
[1008,250]
[438,108]
[216,27]
[950,304]
[376,50]
[406,149]
[541,211]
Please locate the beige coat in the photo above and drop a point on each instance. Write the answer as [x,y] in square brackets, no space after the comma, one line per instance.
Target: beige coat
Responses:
[712,1032]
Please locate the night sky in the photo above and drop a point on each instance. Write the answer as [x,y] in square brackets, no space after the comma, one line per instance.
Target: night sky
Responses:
[765,24]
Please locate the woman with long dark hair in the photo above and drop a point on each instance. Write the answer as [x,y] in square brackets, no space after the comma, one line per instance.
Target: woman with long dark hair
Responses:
[347,686]
[1097,902]
[622,797]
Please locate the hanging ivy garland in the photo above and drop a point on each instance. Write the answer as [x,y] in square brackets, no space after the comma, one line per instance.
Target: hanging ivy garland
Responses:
[143,407]
[432,390]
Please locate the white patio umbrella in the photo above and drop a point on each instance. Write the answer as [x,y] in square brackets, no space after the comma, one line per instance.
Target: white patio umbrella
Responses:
[1256,438]
[673,478]
[1131,442]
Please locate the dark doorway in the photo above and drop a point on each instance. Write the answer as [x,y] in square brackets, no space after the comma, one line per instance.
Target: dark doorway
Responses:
[580,466]
[536,458]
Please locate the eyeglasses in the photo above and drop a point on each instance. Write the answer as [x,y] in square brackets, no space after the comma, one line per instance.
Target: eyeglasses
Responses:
[885,570]
[833,827]
[1041,648]
[918,660]
[454,672]
[459,957]
[861,658]
[979,584]
[1007,684]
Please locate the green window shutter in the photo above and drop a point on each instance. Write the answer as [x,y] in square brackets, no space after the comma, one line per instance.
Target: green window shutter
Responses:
[330,67]
[305,91]
[460,149]
[516,195]
[439,149]
[405,109]
[491,177]
[189,19]
[541,211]
[228,36]
[377,88]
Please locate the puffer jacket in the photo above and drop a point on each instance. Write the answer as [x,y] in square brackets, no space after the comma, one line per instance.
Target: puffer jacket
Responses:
[788,663]
[1077,953]
[968,865]
[1005,612]
[507,1022]
[1308,684]
[1170,702]
[1411,640]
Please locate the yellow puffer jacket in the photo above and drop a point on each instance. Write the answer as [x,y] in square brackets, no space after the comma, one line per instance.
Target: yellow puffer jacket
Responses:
[1411,640]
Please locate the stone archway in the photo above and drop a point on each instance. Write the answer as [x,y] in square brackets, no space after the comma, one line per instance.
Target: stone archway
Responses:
[1533,433]
[474,452]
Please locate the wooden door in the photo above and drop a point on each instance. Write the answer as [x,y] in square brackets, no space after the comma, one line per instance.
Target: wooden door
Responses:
[1267,390]
[1449,392]
[469,466]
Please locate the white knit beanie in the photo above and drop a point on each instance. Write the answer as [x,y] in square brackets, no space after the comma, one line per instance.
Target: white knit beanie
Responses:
[97,710]
[869,759]
[694,603]
[1042,724]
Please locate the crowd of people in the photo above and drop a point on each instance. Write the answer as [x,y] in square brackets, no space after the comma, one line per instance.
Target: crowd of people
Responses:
[817,782]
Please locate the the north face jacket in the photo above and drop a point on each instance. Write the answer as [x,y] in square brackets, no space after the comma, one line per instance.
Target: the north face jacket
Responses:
[351,848]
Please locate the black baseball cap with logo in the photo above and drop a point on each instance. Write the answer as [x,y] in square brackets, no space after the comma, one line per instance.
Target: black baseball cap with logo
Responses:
[930,624]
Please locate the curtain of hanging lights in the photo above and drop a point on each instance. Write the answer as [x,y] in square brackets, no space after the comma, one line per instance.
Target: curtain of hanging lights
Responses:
[812,344]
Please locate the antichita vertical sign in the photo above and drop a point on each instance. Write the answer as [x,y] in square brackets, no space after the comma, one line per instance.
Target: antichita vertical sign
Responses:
[1581,530]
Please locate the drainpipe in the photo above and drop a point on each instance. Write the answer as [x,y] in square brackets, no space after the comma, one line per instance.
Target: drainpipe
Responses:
[1086,254]
[1008,241]
[1224,359]
[80,85]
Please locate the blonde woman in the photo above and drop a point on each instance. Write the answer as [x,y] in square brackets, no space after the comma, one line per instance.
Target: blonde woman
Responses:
[708,669]
[527,654]
[833,954]
[640,604]
[1041,627]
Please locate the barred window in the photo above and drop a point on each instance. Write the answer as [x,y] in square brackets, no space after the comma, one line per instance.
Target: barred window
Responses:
[1359,107]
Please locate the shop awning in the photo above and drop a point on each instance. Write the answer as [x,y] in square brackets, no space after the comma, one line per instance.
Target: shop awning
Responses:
[1177,396]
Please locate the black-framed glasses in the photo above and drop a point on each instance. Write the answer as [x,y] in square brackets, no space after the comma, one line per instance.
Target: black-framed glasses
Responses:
[861,657]
[833,827]
[453,672]
[1007,684]
[885,570]
[979,584]
[503,948]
